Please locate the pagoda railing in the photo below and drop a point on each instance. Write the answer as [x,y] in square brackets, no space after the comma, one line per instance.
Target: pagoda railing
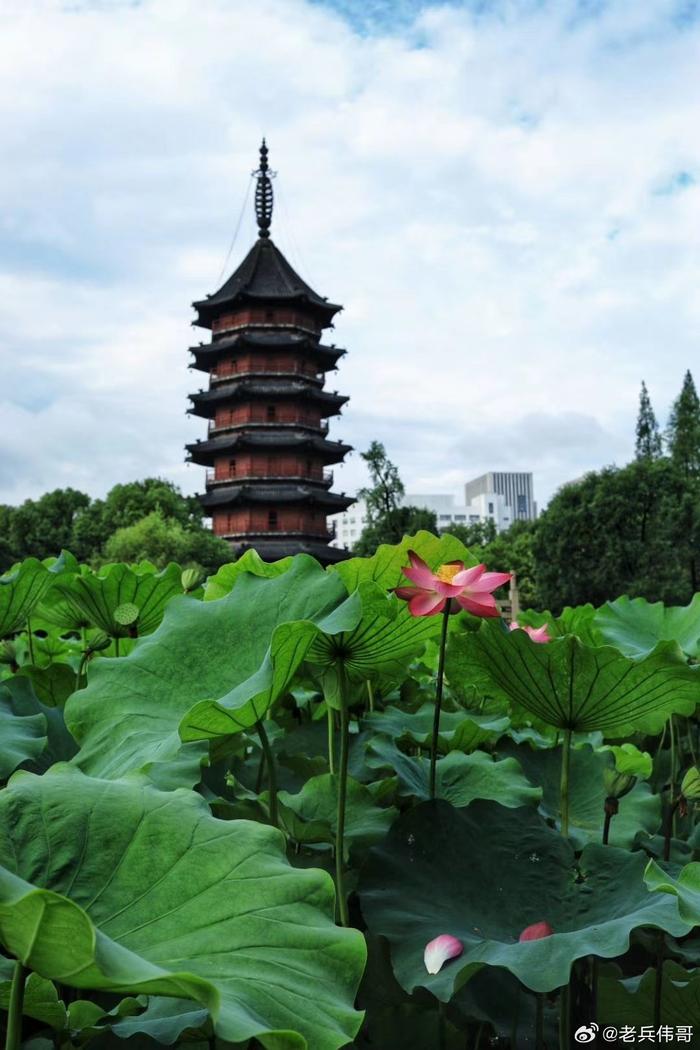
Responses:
[273,473]
[308,372]
[260,419]
[300,529]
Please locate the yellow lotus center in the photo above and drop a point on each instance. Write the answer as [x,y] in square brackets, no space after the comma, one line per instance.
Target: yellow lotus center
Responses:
[446,573]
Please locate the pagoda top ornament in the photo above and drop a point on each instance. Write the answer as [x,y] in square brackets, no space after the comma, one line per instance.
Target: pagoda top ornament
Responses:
[264,197]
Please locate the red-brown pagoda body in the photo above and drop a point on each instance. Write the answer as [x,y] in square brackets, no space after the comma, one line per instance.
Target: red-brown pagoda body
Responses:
[268,486]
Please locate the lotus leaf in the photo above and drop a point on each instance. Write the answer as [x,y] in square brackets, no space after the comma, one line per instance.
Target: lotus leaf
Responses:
[636,626]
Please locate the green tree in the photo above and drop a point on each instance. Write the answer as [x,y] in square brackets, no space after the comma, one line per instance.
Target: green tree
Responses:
[630,530]
[160,540]
[41,528]
[475,534]
[648,445]
[387,520]
[683,430]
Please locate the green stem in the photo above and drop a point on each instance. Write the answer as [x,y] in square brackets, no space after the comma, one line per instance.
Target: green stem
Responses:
[14,1013]
[331,737]
[691,747]
[438,699]
[564,785]
[674,771]
[539,1021]
[340,816]
[30,642]
[659,981]
[564,1018]
[370,695]
[81,668]
[271,771]
[668,827]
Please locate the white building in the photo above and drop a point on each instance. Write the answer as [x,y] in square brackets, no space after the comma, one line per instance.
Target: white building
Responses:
[514,487]
[349,525]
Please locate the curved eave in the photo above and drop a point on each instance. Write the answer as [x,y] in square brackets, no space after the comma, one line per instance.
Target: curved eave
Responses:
[273,550]
[205,402]
[206,354]
[275,495]
[208,311]
[204,452]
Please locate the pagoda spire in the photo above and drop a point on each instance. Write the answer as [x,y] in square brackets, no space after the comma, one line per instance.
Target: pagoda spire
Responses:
[263,193]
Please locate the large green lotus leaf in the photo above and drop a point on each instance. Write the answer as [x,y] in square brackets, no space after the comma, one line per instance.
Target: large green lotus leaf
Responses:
[118,887]
[686,888]
[22,733]
[211,669]
[460,778]
[311,815]
[20,591]
[385,566]
[382,644]
[98,597]
[459,730]
[53,684]
[639,810]
[631,1002]
[574,686]
[59,745]
[224,580]
[635,626]
[485,873]
[165,1020]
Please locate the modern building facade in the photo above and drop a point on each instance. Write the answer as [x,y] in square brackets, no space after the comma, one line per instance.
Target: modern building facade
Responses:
[515,488]
[267,451]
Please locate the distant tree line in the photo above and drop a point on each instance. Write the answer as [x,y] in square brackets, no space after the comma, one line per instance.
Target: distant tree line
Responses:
[620,530]
[148,519]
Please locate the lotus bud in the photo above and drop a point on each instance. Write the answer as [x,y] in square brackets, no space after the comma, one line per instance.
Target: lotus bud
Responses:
[690,785]
[99,642]
[8,653]
[439,950]
[536,932]
[190,580]
[617,785]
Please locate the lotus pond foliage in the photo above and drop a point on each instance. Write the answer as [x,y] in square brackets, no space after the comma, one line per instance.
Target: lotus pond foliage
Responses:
[301,808]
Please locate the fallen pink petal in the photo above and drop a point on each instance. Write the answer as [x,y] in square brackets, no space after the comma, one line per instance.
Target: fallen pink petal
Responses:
[536,932]
[440,950]
[540,635]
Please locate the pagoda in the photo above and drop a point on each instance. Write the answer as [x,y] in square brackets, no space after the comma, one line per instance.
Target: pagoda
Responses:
[268,485]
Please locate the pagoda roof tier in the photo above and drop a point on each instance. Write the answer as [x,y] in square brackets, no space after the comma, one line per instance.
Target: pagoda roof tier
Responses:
[206,353]
[205,402]
[204,452]
[273,550]
[275,494]
[263,276]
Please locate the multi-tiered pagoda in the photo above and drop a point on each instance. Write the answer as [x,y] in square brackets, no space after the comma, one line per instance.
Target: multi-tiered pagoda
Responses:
[268,484]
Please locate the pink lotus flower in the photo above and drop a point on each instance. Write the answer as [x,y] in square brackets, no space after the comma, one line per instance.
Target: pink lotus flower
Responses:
[470,587]
[439,950]
[536,932]
[538,634]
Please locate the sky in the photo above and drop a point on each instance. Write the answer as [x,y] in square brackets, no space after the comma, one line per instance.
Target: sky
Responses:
[504,195]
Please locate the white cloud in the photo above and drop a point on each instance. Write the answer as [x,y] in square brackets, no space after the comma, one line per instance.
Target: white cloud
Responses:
[505,203]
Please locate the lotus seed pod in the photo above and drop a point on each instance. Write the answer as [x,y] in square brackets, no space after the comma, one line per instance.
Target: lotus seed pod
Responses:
[126,614]
[191,579]
[99,641]
[617,785]
[690,785]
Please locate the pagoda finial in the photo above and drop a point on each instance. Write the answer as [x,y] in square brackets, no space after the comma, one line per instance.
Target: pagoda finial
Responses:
[263,193]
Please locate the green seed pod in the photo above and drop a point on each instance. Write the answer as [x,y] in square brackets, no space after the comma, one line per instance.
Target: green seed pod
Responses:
[190,580]
[99,642]
[8,652]
[617,785]
[126,614]
[690,785]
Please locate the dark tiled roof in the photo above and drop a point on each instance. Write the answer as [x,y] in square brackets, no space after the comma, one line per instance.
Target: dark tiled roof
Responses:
[274,493]
[203,452]
[273,550]
[264,274]
[243,389]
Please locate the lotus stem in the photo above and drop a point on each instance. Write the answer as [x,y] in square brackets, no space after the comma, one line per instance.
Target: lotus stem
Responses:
[340,817]
[271,771]
[438,699]
[564,1018]
[668,827]
[691,746]
[30,642]
[539,1021]
[564,785]
[370,695]
[13,1040]
[659,981]
[612,807]
[331,738]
